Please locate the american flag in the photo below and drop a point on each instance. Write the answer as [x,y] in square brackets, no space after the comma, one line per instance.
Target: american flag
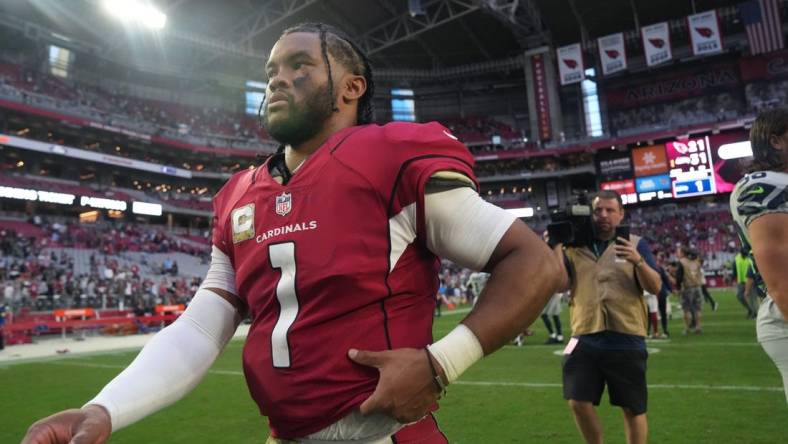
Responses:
[761,18]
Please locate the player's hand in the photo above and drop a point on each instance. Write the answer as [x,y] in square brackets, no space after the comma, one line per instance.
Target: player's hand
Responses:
[626,250]
[406,390]
[90,425]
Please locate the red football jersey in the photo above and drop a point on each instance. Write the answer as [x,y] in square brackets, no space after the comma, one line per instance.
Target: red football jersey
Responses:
[323,266]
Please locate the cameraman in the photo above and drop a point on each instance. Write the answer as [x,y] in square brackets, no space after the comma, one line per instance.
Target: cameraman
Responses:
[609,320]
[689,279]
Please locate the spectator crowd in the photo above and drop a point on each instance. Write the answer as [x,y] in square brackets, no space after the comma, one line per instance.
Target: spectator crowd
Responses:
[35,276]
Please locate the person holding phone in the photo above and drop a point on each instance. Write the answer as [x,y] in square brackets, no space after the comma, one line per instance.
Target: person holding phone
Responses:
[609,321]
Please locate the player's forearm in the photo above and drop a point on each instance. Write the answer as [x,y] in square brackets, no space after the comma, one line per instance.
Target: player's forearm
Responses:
[520,285]
[172,363]
[558,252]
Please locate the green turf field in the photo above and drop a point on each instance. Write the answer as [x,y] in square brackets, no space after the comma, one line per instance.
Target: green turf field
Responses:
[719,387]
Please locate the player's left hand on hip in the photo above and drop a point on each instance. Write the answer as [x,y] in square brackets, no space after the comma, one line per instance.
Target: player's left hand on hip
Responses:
[405,390]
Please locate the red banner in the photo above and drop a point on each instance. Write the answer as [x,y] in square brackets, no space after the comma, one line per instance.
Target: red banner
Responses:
[541,98]
[626,188]
[73,313]
[764,67]
[677,84]
[174,308]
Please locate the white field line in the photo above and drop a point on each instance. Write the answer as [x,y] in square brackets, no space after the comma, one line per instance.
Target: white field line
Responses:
[651,386]
[649,343]
[456,311]
[739,388]
[240,343]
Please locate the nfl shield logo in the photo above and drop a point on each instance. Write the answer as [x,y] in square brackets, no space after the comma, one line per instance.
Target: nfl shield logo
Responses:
[283,204]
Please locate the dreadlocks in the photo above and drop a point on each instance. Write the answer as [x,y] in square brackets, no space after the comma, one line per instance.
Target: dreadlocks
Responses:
[773,122]
[346,52]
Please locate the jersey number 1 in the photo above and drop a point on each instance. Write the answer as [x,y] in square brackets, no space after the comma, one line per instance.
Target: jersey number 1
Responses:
[282,256]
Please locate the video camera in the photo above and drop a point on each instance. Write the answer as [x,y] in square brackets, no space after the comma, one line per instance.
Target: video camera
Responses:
[691,253]
[573,226]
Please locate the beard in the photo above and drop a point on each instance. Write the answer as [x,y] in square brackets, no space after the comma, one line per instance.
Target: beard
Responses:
[303,121]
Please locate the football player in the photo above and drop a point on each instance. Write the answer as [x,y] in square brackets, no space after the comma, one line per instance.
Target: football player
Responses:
[759,204]
[331,248]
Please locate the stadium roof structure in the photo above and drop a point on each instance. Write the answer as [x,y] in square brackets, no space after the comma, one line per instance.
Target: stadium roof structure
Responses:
[233,36]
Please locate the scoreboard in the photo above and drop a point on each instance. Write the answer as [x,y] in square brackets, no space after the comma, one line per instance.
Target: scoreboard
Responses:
[656,187]
[694,185]
[691,169]
[680,168]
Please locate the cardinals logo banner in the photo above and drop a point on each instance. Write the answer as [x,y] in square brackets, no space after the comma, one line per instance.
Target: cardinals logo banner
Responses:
[570,64]
[704,29]
[612,53]
[656,43]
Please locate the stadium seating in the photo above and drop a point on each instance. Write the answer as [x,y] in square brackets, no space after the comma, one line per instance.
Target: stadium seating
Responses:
[211,126]
[707,228]
[136,256]
[480,130]
[677,114]
[42,251]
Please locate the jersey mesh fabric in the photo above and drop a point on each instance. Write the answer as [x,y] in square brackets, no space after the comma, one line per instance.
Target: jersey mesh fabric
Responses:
[334,216]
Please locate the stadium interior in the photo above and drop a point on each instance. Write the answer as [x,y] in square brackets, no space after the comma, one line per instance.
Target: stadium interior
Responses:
[115,135]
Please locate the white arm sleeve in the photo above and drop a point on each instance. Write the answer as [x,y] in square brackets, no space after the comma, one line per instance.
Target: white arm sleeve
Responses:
[174,361]
[463,227]
[221,273]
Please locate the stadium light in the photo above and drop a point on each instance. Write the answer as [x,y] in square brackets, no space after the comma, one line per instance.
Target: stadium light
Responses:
[41,196]
[149,209]
[88,216]
[18,193]
[58,198]
[735,150]
[522,212]
[138,11]
[104,204]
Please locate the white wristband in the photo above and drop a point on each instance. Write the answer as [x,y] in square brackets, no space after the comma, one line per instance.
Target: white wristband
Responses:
[457,351]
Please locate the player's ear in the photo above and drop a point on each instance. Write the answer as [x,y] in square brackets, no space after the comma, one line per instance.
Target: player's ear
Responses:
[353,87]
[776,142]
[779,142]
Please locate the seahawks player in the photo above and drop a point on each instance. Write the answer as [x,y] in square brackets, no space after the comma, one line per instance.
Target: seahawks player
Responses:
[759,205]
[476,282]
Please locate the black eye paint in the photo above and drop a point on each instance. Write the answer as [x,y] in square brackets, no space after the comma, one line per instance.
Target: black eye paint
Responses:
[300,81]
